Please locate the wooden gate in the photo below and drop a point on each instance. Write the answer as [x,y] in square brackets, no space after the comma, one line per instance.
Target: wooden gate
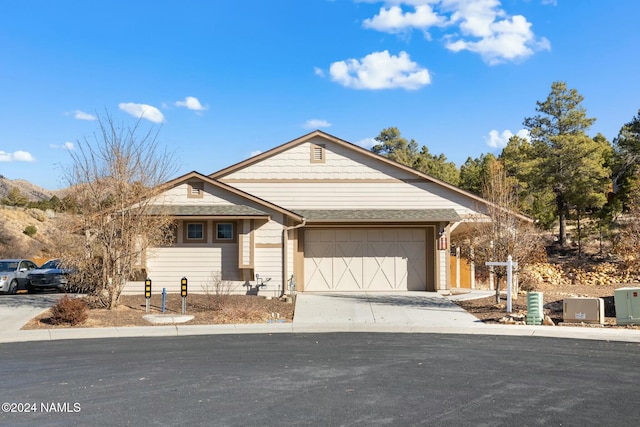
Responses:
[465,280]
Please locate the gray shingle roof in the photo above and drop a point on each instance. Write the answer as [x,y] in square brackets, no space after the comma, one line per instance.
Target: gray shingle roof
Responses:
[206,210]
[383,215]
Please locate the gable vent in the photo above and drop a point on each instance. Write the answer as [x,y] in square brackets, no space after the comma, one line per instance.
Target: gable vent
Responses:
[196,189]
[317,153]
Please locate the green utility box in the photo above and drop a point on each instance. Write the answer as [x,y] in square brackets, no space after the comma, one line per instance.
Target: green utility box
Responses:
[535,312]
[627,302]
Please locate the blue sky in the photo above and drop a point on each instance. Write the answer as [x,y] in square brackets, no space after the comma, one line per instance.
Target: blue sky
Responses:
[226,79]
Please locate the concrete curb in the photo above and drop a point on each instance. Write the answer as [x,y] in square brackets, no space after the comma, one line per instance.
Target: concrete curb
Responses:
[601,334]
[378,313]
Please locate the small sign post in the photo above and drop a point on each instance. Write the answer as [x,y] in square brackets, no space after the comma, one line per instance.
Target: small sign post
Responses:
[183,293]
[509,264]
[147,292]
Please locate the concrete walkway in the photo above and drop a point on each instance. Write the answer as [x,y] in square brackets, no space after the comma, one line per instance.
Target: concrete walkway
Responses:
[413,312]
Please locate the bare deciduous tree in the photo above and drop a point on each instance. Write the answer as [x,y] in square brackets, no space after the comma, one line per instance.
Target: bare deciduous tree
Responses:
[113,179]
[627,242]
[501,231]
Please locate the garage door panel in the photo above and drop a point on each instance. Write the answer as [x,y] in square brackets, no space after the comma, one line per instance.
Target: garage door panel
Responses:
[367,259]
[321,250]
[380,275]
[347,266]
[347,274]
[320,273]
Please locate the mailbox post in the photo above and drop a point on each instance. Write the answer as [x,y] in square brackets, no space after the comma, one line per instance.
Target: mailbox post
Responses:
[183,293]
[510,264]
[147,292]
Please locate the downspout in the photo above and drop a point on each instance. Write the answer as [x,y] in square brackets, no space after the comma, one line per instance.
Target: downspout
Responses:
[285,251]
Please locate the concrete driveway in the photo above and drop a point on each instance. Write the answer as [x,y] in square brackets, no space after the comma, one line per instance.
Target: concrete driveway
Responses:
[17,310]
[405,311]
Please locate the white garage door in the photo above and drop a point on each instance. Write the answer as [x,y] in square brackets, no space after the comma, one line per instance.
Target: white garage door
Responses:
[364,260]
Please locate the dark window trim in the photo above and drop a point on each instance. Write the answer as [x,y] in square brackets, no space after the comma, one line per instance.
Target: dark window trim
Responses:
[185,234]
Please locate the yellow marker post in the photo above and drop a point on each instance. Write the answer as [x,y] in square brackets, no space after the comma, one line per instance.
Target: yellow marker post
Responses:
[183,293]
[147,292]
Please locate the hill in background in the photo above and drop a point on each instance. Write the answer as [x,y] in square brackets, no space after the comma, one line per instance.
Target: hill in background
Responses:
[32,191]
[40,243]
[29,233]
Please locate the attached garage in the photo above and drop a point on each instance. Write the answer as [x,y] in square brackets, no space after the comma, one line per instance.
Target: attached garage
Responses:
[366,259]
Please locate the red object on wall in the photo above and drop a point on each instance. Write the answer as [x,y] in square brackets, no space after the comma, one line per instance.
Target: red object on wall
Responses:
[442,243]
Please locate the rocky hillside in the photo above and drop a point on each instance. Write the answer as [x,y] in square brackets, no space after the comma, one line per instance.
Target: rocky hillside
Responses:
[39,241]
[32,191]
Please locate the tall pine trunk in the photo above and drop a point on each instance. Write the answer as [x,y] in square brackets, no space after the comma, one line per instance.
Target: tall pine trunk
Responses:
[562,217]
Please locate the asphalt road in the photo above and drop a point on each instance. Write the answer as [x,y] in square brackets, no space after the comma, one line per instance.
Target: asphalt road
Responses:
[321,379]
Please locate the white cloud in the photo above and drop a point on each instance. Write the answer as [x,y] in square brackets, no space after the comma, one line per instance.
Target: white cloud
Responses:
[500,140]
[316,124]
[81,115]
[318,71]
[479,26]
[507,40]
[489,31]
[143,111]
[191,103]
[67,145]
[23,156]
[16,156]
[379,70]
[367,143]
[255,153]
[395,20]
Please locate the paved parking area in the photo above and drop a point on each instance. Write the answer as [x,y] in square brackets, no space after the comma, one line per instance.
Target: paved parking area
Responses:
[17,310]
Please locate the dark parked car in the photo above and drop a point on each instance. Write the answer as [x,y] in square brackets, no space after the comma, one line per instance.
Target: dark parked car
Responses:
[13,274]
[50,276]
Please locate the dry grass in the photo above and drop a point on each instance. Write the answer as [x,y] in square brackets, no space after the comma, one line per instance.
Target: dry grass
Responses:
[488,311]
[206,309]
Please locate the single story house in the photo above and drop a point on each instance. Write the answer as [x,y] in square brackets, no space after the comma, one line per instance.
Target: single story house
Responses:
[317,213]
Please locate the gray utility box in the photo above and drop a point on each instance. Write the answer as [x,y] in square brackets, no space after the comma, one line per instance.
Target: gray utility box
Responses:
[583,310]
[627,302]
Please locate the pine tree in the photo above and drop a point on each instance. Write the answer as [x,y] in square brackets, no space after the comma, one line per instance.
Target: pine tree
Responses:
[567,161]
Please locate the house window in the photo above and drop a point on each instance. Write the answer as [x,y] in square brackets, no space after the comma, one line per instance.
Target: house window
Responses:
[195,232]
[195,189]
[224,231]
[317,153]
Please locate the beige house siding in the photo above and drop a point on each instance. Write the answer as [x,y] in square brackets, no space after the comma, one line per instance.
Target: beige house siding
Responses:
[246,243]
[257,249]
[442,262]
[199,264]
[212,195]
[340,163]
[355,195]
[269,266]
[347,179]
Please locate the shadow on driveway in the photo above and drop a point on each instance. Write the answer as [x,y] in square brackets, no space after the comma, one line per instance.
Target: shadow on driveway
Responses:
[424,301]
[40,300]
